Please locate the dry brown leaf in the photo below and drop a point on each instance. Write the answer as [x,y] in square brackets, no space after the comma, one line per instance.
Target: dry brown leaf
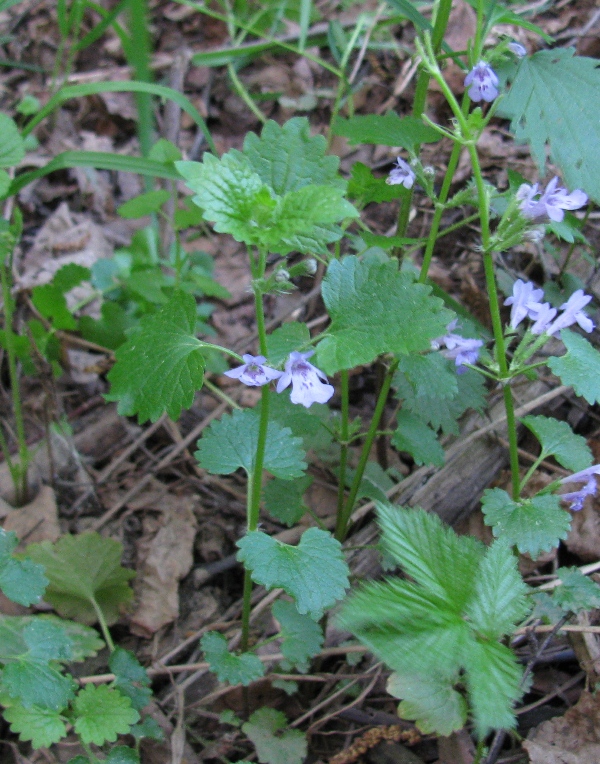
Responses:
[168,559]
[36,521]
[570,739]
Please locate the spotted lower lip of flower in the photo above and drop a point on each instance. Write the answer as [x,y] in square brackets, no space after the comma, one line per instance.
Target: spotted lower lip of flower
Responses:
[253,372]
[401,174]
[483,83]
[524,300]
[306,380]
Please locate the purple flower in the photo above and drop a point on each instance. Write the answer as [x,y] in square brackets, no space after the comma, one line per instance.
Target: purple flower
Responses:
[543,318]
[482,80]
[524,300]
[588,477]
[307,387]
[459,349]
[401,174]
[254,373]
[573,313]
[519,50]
[552,203]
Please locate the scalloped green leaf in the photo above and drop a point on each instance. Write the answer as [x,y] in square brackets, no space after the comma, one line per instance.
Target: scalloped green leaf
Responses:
[285,339]
[414,436]
[580,367]
[431,702]
[102,714]
[302,637]
[284,499]
[576,591]
[314,572]
[161,366]
[386,130]
[375,309]
[229,667]
[558,439]
[41,726]
[22,581]
[84,641]
[274,742]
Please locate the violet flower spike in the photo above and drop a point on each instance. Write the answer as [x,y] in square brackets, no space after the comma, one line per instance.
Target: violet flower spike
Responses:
[524,300]
[543,318]
[253,372]
[306,380]
[519,50]
[588,477]
[459,349]
[556,200]
[483,81]
[401,174]
[530,208]
[573,313]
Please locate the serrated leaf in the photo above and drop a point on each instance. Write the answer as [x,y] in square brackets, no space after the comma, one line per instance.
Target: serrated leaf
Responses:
[275,744]
[580,367]
[148,727]
[558,440]
[82,569]
[499,601]
[42,726]
[314,573]
[494,685]
[304,423]
[144,204]
[302,638]
[376,309]
[284,499]
[535,104]
[162,365]
[366,189]
[443,412]
[101,714]
[47,641]
[108,330]
[12,147]
[37,683]
[22,581]
[285,339]
[122,754]
[418,439]
[131,677]
[432,702]
[83,640]
[287,157]
[576,591]
[532,525]
[231,443]
[229,667]
[430,375]
[387,130]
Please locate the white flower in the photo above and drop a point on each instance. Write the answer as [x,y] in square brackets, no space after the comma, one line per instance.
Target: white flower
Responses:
[401,175]
[307,387]
[254,373]
[524,300]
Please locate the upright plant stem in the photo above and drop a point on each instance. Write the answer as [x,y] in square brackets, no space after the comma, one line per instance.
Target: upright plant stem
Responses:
[343,517]
[344,440]
[138,55]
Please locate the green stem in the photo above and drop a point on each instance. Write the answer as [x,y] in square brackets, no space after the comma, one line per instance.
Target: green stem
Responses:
[103,625]
[344,517]
[344,432]
[21,485]
[531,471]
[138,55]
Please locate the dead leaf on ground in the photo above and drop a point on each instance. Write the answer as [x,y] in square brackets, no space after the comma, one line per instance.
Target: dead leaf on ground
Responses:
[570,739]
[168,559]
[36,521]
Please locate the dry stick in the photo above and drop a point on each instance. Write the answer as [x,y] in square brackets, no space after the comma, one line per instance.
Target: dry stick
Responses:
[567,685]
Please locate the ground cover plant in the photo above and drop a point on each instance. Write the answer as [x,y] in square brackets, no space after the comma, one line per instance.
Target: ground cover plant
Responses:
[325,469]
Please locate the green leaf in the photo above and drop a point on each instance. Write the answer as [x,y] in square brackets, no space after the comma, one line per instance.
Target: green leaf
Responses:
[302,637]
[376,309]
[83,569]
[314,573]
[235,669]
[418,439]
[42,726]
[494,685]
[558,440]
[386,130]
[161,366]
[22,581]
[535,104]
[304,423]
[101,714]
[12,149]
[131,677]
[148,727]
[284,499]
[50,300]
[499,601]
[274,743]
[47,641]
[37,683]
[285,339]
[231,443]
[580,367]
[364,188]
[144,204]
[532,525]
[576,592]
[122,754]
[5,180]
[288,158]
[432,702]
[108,330]
[84,642]
[430,375]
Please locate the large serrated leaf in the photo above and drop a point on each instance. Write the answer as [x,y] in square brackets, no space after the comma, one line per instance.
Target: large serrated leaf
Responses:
[84,641]
[101,714]
[386,130]
[22,581]
[314,573]
[37,683]
[576,591]
[418,439]
[302,637]
[231,443]
[432,702]
[532,525]
[555,101]
[275,744]
[580,367]
[235,669]
[42,726]
[162,365]
[558,440]
[376,309]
